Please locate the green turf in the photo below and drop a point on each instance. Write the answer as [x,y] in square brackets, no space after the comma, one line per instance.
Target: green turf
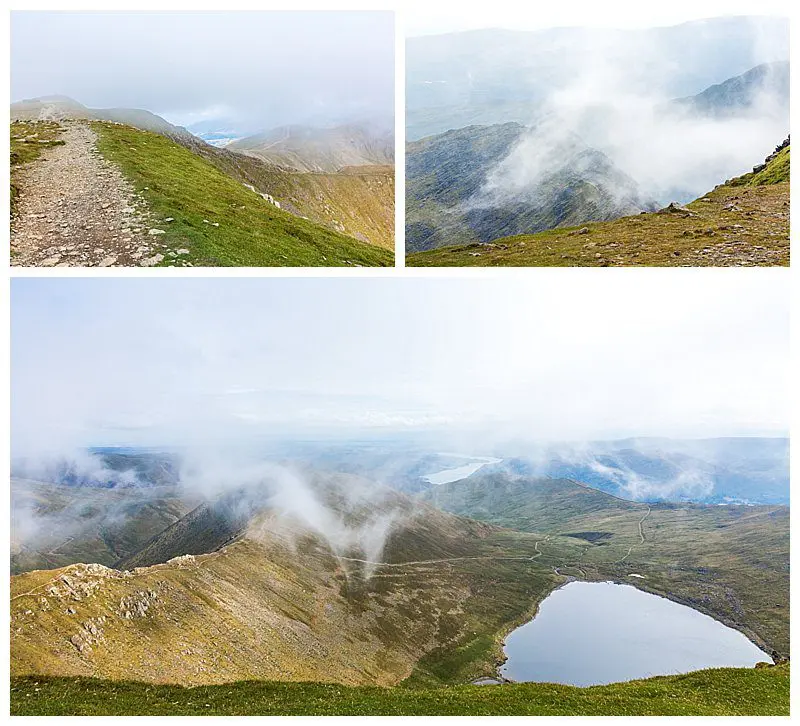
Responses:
[734,691]
[251,232]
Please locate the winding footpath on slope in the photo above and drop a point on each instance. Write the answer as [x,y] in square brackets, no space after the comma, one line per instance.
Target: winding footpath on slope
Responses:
[76,209]
[641,536]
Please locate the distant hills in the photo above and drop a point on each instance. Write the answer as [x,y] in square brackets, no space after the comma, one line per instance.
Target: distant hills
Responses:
[479,71]
[301,148]
[54,525]
[742,94]
[320,150]
[711,471]
[59,108]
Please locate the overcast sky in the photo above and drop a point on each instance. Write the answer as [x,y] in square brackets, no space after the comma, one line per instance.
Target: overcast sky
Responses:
[423,18]
[253,70]
[546,356]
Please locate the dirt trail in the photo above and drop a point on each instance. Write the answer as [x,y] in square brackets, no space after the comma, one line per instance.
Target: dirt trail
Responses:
[434,562]
[76,209]
[641,536]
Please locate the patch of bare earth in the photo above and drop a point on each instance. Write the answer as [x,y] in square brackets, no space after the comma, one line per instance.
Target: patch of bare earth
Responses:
[75,209]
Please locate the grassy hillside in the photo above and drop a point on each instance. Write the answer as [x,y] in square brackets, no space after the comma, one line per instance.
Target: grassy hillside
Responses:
[277,604]
[742,222]
[218,220]
[356,201]
[730,562]
[717,692]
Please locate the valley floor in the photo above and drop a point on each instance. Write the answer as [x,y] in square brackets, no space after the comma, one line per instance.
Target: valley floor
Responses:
[724,691]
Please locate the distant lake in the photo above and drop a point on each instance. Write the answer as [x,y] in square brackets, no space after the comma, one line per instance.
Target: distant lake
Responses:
[590,633]
[460,472]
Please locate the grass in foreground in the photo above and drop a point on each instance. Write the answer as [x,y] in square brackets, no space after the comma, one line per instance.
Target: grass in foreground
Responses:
[722,691]
[216,218]
[28,140]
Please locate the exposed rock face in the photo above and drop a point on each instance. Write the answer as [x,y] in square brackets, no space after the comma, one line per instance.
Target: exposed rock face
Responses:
[675,208]
[771,157]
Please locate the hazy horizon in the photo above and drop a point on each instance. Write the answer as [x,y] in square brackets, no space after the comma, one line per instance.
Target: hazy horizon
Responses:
[422,21]
[242,72]
[177,362]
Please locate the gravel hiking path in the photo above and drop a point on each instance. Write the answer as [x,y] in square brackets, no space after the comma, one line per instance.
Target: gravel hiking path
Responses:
[75,209]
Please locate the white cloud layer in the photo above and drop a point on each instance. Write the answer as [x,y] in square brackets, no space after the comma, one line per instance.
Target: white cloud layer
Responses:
[546,355]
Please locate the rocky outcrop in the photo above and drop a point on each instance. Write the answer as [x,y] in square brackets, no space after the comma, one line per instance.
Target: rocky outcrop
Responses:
[771,157]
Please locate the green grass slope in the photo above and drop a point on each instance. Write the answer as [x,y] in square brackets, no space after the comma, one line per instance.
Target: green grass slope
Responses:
[742,222]
[356,201]
[717,692]
[251,232]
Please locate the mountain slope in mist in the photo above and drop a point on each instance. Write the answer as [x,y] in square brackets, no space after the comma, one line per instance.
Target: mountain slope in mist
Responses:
[328,150]
[477,71]
[54,525]
[743,222]
[282,601]
[675,129]
[466,185]
[712,471]
[742,94]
